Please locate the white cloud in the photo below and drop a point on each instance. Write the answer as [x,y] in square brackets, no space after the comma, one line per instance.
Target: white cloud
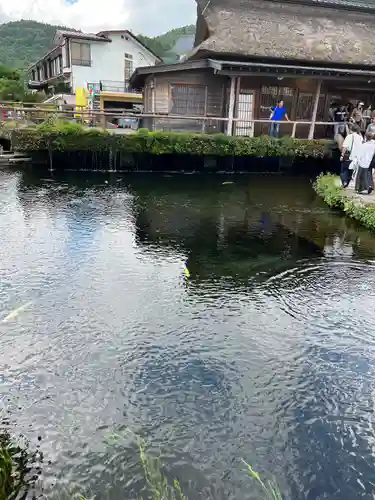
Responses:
[94,15]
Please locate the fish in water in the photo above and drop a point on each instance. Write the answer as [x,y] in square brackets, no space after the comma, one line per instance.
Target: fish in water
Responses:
[13,314]
[227,183]
[187,272]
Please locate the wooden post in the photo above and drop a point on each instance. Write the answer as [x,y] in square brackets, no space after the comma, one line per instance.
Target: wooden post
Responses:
[205,110]
[294,130]
[315,110]
[232,97]
[153,104]
[235,112]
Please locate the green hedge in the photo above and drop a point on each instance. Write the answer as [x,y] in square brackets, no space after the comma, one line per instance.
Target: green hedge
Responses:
[328,186]
[73,137]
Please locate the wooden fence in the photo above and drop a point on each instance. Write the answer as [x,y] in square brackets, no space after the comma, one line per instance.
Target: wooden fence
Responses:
[15,115]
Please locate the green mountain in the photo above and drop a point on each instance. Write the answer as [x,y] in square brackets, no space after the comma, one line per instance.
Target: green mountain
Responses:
[163,44]
[24,42]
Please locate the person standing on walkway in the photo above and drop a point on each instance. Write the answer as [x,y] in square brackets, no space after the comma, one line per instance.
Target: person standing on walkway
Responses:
[364,164]
[367,115]
[357,115]
[277,114]
[371,126]
[349,151]
[340,118]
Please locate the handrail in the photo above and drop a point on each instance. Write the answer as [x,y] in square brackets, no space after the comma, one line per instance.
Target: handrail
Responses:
[127,114]
[21,114]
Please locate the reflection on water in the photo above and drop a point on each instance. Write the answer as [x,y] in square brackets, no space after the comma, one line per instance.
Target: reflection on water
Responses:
[266,353]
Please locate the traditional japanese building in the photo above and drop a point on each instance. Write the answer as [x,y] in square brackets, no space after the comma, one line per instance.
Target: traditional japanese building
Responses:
[250,53]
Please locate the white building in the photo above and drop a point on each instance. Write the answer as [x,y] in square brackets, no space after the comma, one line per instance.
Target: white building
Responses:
[106,59]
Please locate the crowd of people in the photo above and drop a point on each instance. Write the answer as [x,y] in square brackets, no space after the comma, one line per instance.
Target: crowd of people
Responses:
[358,157]
[343,114]
[354,132]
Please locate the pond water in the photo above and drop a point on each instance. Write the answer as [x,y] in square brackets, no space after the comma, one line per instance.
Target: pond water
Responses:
[266,353]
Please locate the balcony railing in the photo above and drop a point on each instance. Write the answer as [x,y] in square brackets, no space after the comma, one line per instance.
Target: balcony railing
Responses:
[81,62]
[113,86]
[34,83]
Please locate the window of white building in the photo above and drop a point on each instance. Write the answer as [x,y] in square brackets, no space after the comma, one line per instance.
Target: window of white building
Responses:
[128,68]
[81,54]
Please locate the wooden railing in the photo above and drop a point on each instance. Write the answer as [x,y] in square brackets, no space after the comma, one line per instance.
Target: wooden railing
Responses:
[27,114]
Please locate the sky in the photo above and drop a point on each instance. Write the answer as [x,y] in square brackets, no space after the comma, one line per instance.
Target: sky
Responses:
[149,17]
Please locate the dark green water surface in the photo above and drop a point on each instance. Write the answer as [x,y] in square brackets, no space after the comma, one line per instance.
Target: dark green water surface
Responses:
[267,352]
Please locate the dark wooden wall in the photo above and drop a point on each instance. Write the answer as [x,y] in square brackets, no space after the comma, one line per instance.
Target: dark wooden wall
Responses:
[297,93]
[213,86]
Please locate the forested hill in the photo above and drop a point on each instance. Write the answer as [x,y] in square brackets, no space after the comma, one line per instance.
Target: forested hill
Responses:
[163,44]
[24,42]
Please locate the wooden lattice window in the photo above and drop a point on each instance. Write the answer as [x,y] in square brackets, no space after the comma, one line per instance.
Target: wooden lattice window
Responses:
[188,100]
[269,97]
[305,107]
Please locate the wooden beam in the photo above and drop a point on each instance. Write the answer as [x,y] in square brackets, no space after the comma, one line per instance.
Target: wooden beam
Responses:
[315,109]
[235,112]
[232,98]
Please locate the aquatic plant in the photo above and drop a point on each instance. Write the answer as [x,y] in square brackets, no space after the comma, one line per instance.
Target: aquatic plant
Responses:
[328,186]
[70,136]
[162,490]
[18,467]
[158,484]
[19,470]
[269,490]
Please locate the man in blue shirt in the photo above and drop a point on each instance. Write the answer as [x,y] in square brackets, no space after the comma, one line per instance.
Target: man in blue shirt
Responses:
[278,113]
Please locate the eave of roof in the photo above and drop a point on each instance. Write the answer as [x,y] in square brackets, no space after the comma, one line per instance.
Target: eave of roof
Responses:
[55,49]
[256,68]
[83,36]
[161,68]
[238,68]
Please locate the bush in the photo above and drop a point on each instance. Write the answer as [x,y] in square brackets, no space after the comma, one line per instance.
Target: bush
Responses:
[63,136]
[328,186]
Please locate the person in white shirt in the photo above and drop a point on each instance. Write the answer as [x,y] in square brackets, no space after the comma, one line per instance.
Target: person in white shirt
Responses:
[364,164]
[349,151]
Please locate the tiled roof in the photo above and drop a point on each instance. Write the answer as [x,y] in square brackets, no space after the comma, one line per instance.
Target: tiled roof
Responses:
[84,36]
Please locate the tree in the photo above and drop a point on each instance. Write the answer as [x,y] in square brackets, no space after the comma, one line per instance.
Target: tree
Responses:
[12,87]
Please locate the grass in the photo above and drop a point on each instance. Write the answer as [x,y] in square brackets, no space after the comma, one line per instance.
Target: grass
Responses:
[328,186]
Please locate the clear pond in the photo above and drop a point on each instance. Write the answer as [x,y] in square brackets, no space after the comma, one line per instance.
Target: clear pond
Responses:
[266,353]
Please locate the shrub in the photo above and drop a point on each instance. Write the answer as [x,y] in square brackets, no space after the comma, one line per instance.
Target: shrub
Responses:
[63,136]
[328,186]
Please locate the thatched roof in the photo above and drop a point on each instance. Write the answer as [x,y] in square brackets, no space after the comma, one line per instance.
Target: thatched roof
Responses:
[309,31]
